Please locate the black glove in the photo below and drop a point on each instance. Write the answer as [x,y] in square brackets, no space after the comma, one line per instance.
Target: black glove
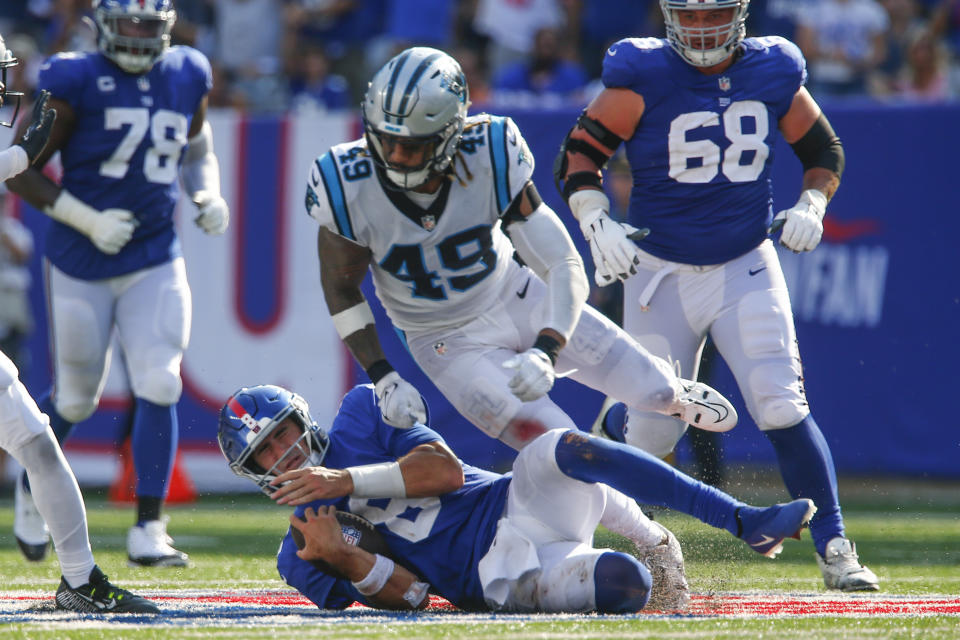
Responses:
[37,134]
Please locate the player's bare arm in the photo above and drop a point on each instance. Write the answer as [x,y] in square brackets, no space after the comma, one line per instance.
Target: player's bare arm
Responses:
[429,470]
[819,149]
[343,265]
[324,542]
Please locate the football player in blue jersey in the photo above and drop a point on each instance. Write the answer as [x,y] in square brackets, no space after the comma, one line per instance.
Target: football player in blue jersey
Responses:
[699,113]
[484,541]
[425,201]
[131,119]
[25,432]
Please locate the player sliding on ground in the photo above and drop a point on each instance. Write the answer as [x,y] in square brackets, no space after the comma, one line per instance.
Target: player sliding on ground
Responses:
[483,541]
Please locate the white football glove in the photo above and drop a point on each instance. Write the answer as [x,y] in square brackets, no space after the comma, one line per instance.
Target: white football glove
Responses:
[400,403]
[214,215]
[111,230]
[803,226]
[534,376]
[614,254]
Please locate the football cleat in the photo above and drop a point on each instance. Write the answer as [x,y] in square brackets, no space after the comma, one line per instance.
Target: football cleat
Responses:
[670,591]
[703,407]
[765,529]
[611,422]
[29,529]
[148,545]
[842,570]
[99,596]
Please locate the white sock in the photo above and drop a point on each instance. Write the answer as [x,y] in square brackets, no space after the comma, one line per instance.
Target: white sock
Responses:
[622,515]
[58,499]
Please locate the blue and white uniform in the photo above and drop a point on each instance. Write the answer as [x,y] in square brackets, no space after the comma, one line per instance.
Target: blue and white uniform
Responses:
[701,157]
[702,154]
[124,152]
[469,545]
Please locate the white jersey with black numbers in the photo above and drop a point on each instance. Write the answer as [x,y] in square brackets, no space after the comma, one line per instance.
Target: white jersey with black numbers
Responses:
[442,263]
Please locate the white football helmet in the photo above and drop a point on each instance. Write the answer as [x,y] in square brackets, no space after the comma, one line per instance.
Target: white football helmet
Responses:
[133,33]
[690,42]
[6,61]
[420,95]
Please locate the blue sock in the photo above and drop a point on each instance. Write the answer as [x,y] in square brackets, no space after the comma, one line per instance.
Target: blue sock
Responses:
[644,478]
[154,443]
[808,472]
[621,583]
[61,428]
[614,421]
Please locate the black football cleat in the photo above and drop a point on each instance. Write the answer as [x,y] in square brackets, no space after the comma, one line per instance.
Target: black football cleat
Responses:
[99,596]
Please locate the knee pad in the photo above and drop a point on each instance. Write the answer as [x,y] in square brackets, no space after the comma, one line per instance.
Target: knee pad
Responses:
[159,385]
[40,453]
[766,325]
[777,396]
[652,432]
[592,339]
[622,584]
[74,410]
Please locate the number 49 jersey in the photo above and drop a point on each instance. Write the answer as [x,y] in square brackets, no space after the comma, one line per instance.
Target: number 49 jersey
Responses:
[702,153]
[438,263]
[124,151]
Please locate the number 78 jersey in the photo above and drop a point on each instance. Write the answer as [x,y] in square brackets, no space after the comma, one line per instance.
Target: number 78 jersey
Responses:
[702,152]
[435,263]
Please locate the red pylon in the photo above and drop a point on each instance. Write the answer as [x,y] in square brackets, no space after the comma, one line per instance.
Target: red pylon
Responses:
[123,490]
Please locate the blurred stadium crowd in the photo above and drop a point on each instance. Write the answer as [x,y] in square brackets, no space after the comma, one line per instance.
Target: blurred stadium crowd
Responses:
[278,55]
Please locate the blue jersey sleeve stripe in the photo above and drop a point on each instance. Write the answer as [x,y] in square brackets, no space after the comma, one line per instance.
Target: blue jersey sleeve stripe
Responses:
[334,189]
[499,158]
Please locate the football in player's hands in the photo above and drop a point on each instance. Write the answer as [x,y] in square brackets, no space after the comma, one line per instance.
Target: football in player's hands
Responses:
[356,530]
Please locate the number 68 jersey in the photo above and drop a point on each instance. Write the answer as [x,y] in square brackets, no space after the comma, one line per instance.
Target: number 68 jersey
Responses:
[435,263]
[702,153]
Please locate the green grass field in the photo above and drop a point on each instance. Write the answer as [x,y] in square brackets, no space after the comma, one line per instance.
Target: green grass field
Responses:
[908,533]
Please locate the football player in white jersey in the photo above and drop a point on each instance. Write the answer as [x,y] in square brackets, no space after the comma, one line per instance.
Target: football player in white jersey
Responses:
[699,113]
[25,432]
[424,200]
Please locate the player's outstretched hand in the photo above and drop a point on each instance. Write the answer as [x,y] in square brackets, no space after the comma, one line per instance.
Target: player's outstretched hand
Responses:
[803,222]
[300,486]
[534,374]
[214,215]
[36,136]
[400,403]
[112,229]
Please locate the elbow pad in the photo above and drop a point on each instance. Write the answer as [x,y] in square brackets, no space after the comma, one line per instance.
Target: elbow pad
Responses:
[820,147]
[598,132]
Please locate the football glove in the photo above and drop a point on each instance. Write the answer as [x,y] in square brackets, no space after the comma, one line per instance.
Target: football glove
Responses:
[36,136]
[803,222]
[614,253]
[214,215]
[400,403]
[112,230]
[534,374]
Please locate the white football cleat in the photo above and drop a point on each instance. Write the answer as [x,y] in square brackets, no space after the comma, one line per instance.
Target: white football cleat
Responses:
[670,590]
[149,546]
[842,570]
[29,529]
[703,407]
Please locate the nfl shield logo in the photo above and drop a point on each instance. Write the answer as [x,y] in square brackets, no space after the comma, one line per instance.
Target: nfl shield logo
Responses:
[428,222]
[724,83]
[440,348]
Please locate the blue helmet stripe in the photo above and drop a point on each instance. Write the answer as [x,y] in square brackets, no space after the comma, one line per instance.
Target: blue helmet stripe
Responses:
[412,83]
[392,84]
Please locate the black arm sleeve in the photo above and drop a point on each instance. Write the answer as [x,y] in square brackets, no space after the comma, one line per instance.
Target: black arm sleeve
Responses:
[820,147]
